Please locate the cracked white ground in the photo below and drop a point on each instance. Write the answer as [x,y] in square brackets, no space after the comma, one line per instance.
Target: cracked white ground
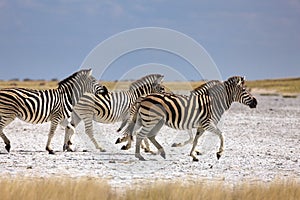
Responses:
[261,144]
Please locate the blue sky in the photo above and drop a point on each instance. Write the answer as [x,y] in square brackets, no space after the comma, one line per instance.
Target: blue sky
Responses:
[50,39]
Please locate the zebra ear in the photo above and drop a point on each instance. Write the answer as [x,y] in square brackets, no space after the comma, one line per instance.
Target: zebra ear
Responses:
[241,81]
[89,72]
[159,80]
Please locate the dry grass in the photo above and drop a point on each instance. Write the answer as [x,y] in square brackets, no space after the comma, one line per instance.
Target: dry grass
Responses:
[29,84]
[274,191]
[124,85]
[54,188]
[282,86]
[93,188]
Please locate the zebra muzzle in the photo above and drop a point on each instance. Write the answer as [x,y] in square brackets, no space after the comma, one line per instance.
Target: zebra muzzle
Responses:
[253,103]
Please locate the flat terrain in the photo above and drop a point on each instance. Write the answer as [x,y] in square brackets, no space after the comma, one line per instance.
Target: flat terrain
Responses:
[261,145]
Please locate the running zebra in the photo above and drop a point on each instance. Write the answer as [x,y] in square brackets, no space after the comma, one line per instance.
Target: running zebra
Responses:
[39,106]
[202,110]
[111,108]
[147,145]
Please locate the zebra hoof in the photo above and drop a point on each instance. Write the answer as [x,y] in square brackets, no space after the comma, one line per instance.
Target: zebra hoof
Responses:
[70,150]
[118,141]
[51,152]
[218,155]
[198,153]
[124,147]
[174,145]
[141,158]
[195,159]
[163,154]
[146,150]
[7,147]
[65,147]
[102,150]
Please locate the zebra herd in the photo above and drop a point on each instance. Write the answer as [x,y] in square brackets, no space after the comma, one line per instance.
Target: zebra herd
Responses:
[145,107]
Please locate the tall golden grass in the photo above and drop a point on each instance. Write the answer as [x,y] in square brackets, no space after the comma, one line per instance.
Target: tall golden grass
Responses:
[93,188]
[218,191]
[54,188]
[39,84]
[285,85]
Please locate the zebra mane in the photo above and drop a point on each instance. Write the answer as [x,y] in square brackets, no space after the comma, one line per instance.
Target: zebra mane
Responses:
[239,80]
[77,74]
[206,87]
[152,79]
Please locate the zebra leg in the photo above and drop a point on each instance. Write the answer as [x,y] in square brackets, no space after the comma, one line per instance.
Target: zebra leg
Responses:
[217,131]
[88,122]
[5,139]
[70,131]
[4,123]
[146,146]
[124,138]
[53,127]
[161,150]
[124,122]
[200,131]
[137,148]
[153,133]
[190,140]
[127,138]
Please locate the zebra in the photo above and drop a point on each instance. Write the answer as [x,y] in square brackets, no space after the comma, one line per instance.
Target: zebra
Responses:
[39,106]
[202,110]
[111,108]
[181,144]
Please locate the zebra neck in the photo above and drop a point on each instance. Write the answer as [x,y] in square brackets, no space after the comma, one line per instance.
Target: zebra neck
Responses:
[221,103]
[135,94]
[72,92]
[229,94]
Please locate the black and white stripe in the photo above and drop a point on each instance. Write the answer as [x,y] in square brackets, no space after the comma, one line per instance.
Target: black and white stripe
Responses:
[39,106]
[111,108]
[202,110]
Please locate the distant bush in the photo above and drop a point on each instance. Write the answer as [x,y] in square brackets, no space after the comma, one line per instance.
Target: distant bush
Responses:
[14,79]
[13,84]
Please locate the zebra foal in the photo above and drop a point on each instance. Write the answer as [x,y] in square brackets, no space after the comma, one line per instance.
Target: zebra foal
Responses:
[111,108]
[202,110]
[39,106]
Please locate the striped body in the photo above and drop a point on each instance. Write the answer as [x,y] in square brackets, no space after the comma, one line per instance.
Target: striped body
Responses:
[201,110]
[39,106]
[33,106]
[111,108]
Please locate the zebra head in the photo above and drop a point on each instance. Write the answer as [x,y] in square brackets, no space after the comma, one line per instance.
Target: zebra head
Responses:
[240,93]
[147,84]
[159,88]
[79,83]
[89,84]
[93,86]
